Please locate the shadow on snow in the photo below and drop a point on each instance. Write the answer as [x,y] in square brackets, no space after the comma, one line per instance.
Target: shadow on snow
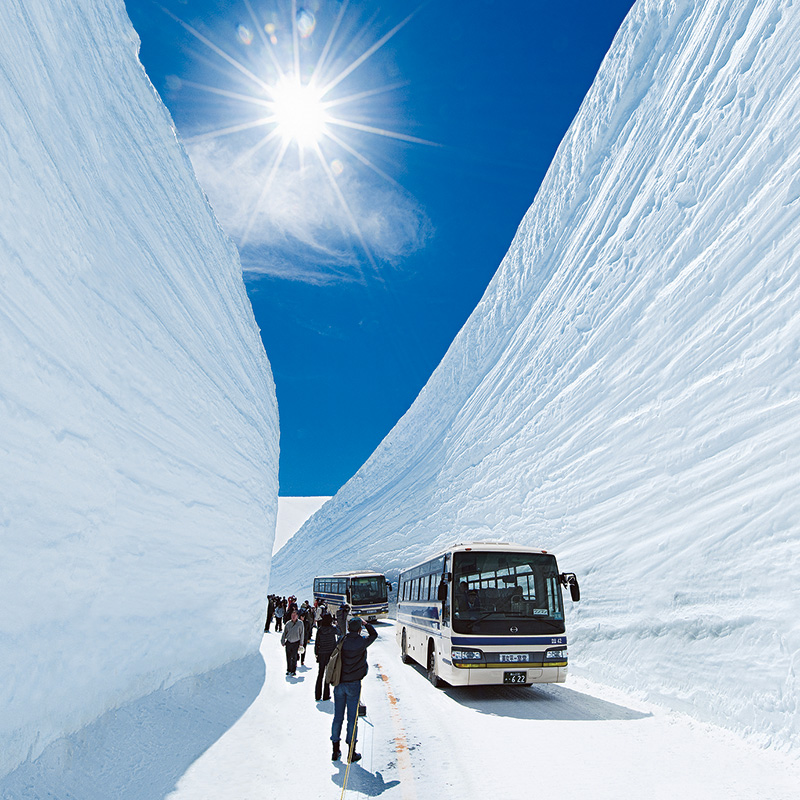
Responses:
[540,701]
[359,780]
[140,751]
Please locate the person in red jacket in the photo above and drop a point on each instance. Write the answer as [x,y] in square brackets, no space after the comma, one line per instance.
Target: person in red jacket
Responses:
[346,694]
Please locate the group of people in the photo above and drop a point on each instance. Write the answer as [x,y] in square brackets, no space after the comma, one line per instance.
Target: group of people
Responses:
[297,625]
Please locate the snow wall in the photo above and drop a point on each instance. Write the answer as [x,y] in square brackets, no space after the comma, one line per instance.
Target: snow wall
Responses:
[627,392]
[138,421]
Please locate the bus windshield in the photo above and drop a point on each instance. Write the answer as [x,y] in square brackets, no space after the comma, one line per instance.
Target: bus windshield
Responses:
[369,589]
[506,592]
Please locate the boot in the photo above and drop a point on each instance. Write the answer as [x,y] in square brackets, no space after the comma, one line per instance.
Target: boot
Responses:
[355,757]
[337,753]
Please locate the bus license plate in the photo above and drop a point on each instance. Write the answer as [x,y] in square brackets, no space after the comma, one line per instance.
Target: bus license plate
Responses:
[514,677]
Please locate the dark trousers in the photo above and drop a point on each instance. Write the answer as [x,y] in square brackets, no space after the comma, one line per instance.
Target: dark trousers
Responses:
[318,690]
[291,656]
[278,623]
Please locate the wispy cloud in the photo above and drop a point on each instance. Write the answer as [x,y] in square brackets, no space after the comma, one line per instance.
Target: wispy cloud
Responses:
[299,228]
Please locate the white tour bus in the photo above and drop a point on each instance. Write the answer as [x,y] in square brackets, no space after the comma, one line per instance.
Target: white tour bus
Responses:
[365,592]
[484,613]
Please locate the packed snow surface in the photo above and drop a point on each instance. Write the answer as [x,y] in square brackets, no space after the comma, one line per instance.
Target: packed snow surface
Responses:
[226,737]
[627,392]
[138,421]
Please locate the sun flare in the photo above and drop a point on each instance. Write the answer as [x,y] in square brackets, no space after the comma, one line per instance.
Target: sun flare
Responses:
[307,110]
[299,112]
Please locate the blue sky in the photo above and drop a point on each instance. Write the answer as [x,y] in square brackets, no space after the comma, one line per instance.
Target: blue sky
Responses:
[369,234]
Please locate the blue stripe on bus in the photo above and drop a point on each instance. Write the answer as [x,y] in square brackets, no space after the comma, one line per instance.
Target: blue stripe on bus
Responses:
[416,622]
[425,612]
[467,640]
[338,599]
[426,617]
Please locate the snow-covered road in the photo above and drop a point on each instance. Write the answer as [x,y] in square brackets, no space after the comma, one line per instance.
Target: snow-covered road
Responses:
[579,739]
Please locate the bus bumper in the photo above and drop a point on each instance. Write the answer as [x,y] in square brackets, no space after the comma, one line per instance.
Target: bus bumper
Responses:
[489,676]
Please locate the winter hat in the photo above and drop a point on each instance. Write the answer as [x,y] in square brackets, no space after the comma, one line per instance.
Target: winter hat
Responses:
[326,619]
[354,626]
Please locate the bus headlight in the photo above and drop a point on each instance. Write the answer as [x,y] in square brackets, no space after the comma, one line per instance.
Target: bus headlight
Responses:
[463,654]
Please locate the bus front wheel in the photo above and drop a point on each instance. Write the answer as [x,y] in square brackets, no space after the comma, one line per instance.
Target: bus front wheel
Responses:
[404,657]
[433,677]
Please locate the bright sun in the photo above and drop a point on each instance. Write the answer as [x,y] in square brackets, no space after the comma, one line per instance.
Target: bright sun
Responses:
[299,112]
[306,115]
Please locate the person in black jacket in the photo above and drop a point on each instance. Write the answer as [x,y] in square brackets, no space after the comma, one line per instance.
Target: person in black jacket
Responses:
[270,612]
[346,694]
[305,618]
[324,645]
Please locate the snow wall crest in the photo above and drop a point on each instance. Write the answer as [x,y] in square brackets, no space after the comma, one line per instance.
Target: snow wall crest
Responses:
[627,392]
[139,432]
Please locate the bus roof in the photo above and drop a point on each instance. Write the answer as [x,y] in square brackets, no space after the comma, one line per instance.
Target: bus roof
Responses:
[351,573]
[465,547]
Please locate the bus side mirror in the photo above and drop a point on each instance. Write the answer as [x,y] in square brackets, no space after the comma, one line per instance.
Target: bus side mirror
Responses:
[388,586]
[441,593]
[570,579]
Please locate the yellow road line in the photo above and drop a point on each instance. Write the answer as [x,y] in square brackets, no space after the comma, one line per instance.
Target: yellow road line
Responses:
[406,772]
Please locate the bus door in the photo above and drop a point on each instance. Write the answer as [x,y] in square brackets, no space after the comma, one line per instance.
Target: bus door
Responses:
[446,600]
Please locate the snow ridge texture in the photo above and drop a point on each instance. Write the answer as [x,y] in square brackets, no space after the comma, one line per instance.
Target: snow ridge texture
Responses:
[138,419]
[627,392]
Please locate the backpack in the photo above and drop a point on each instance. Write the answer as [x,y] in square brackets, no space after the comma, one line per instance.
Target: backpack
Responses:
[333,672]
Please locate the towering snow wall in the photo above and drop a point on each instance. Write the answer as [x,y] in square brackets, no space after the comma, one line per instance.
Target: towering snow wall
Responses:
[627,392]
[138,422]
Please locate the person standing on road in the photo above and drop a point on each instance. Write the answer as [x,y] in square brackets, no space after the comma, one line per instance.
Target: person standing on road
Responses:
[324,645]
[319,610]
[341,617]
[293,635]
[305,615]
[280,610]
[270,612]
[347,692]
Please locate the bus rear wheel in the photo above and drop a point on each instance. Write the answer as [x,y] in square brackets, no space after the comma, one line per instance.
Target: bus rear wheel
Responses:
[433,677]
[404,657]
